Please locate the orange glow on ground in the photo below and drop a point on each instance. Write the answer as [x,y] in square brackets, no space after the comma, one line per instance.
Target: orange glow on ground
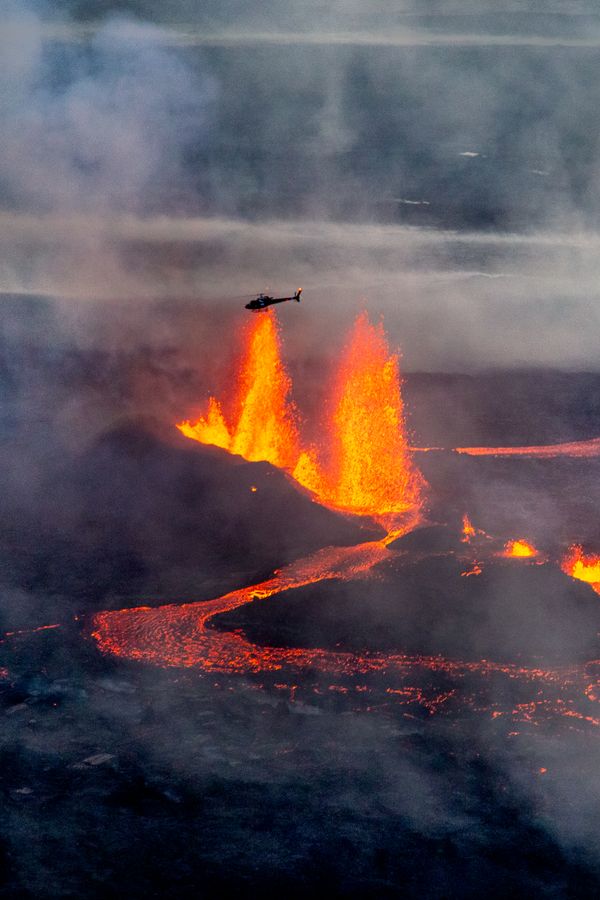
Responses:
[581,449]
[584,567]
[520,548]
[364,465]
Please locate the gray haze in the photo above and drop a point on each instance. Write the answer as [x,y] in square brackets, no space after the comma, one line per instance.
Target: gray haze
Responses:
[437,164]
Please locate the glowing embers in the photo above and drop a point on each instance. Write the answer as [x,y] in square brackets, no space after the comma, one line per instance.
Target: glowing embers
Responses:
[468,530]
[476,538]
[265,426]
[585,567]
[363,465]
[470,533]
[519,549]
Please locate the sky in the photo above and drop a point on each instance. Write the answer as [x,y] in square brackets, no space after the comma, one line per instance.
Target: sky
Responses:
[434,163]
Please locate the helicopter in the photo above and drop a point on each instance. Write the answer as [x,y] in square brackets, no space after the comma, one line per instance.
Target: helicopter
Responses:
[263,301]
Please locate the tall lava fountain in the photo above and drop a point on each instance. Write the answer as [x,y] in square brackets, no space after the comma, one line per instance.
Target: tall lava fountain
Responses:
[363,465]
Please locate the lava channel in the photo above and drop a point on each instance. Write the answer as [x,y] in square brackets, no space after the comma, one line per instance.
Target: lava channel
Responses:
[582,449]
[180,636]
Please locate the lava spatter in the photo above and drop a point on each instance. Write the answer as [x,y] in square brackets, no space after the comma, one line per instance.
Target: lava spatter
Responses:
[583,566]
[209,430]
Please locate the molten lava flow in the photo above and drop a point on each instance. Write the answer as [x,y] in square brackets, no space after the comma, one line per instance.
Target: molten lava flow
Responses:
[177,635]
[364,466]
[265,427]
[585,567]
[181,636]
[581,449]
[519,548]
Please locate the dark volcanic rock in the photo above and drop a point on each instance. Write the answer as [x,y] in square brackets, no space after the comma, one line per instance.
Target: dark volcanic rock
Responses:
[135,513]
[429,539]
[550,501]
[514,611]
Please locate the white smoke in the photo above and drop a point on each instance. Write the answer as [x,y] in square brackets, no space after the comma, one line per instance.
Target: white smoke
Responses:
[101,127]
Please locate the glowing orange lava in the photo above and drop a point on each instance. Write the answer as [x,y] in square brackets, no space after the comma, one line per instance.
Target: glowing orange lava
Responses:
[582,449]
[585,567]
[210,430]
[468,530]
[265,426]
[181,636]
[177,635]
[519,548]
[364,466]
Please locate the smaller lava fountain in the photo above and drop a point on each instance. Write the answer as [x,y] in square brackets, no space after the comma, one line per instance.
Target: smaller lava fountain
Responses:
[519,549]
[265,426]
[472,534]
[584,567]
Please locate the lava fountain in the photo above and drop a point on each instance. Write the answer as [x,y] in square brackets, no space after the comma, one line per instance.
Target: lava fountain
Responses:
[265,423]
[364,466]
[519,549]
[584,567]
